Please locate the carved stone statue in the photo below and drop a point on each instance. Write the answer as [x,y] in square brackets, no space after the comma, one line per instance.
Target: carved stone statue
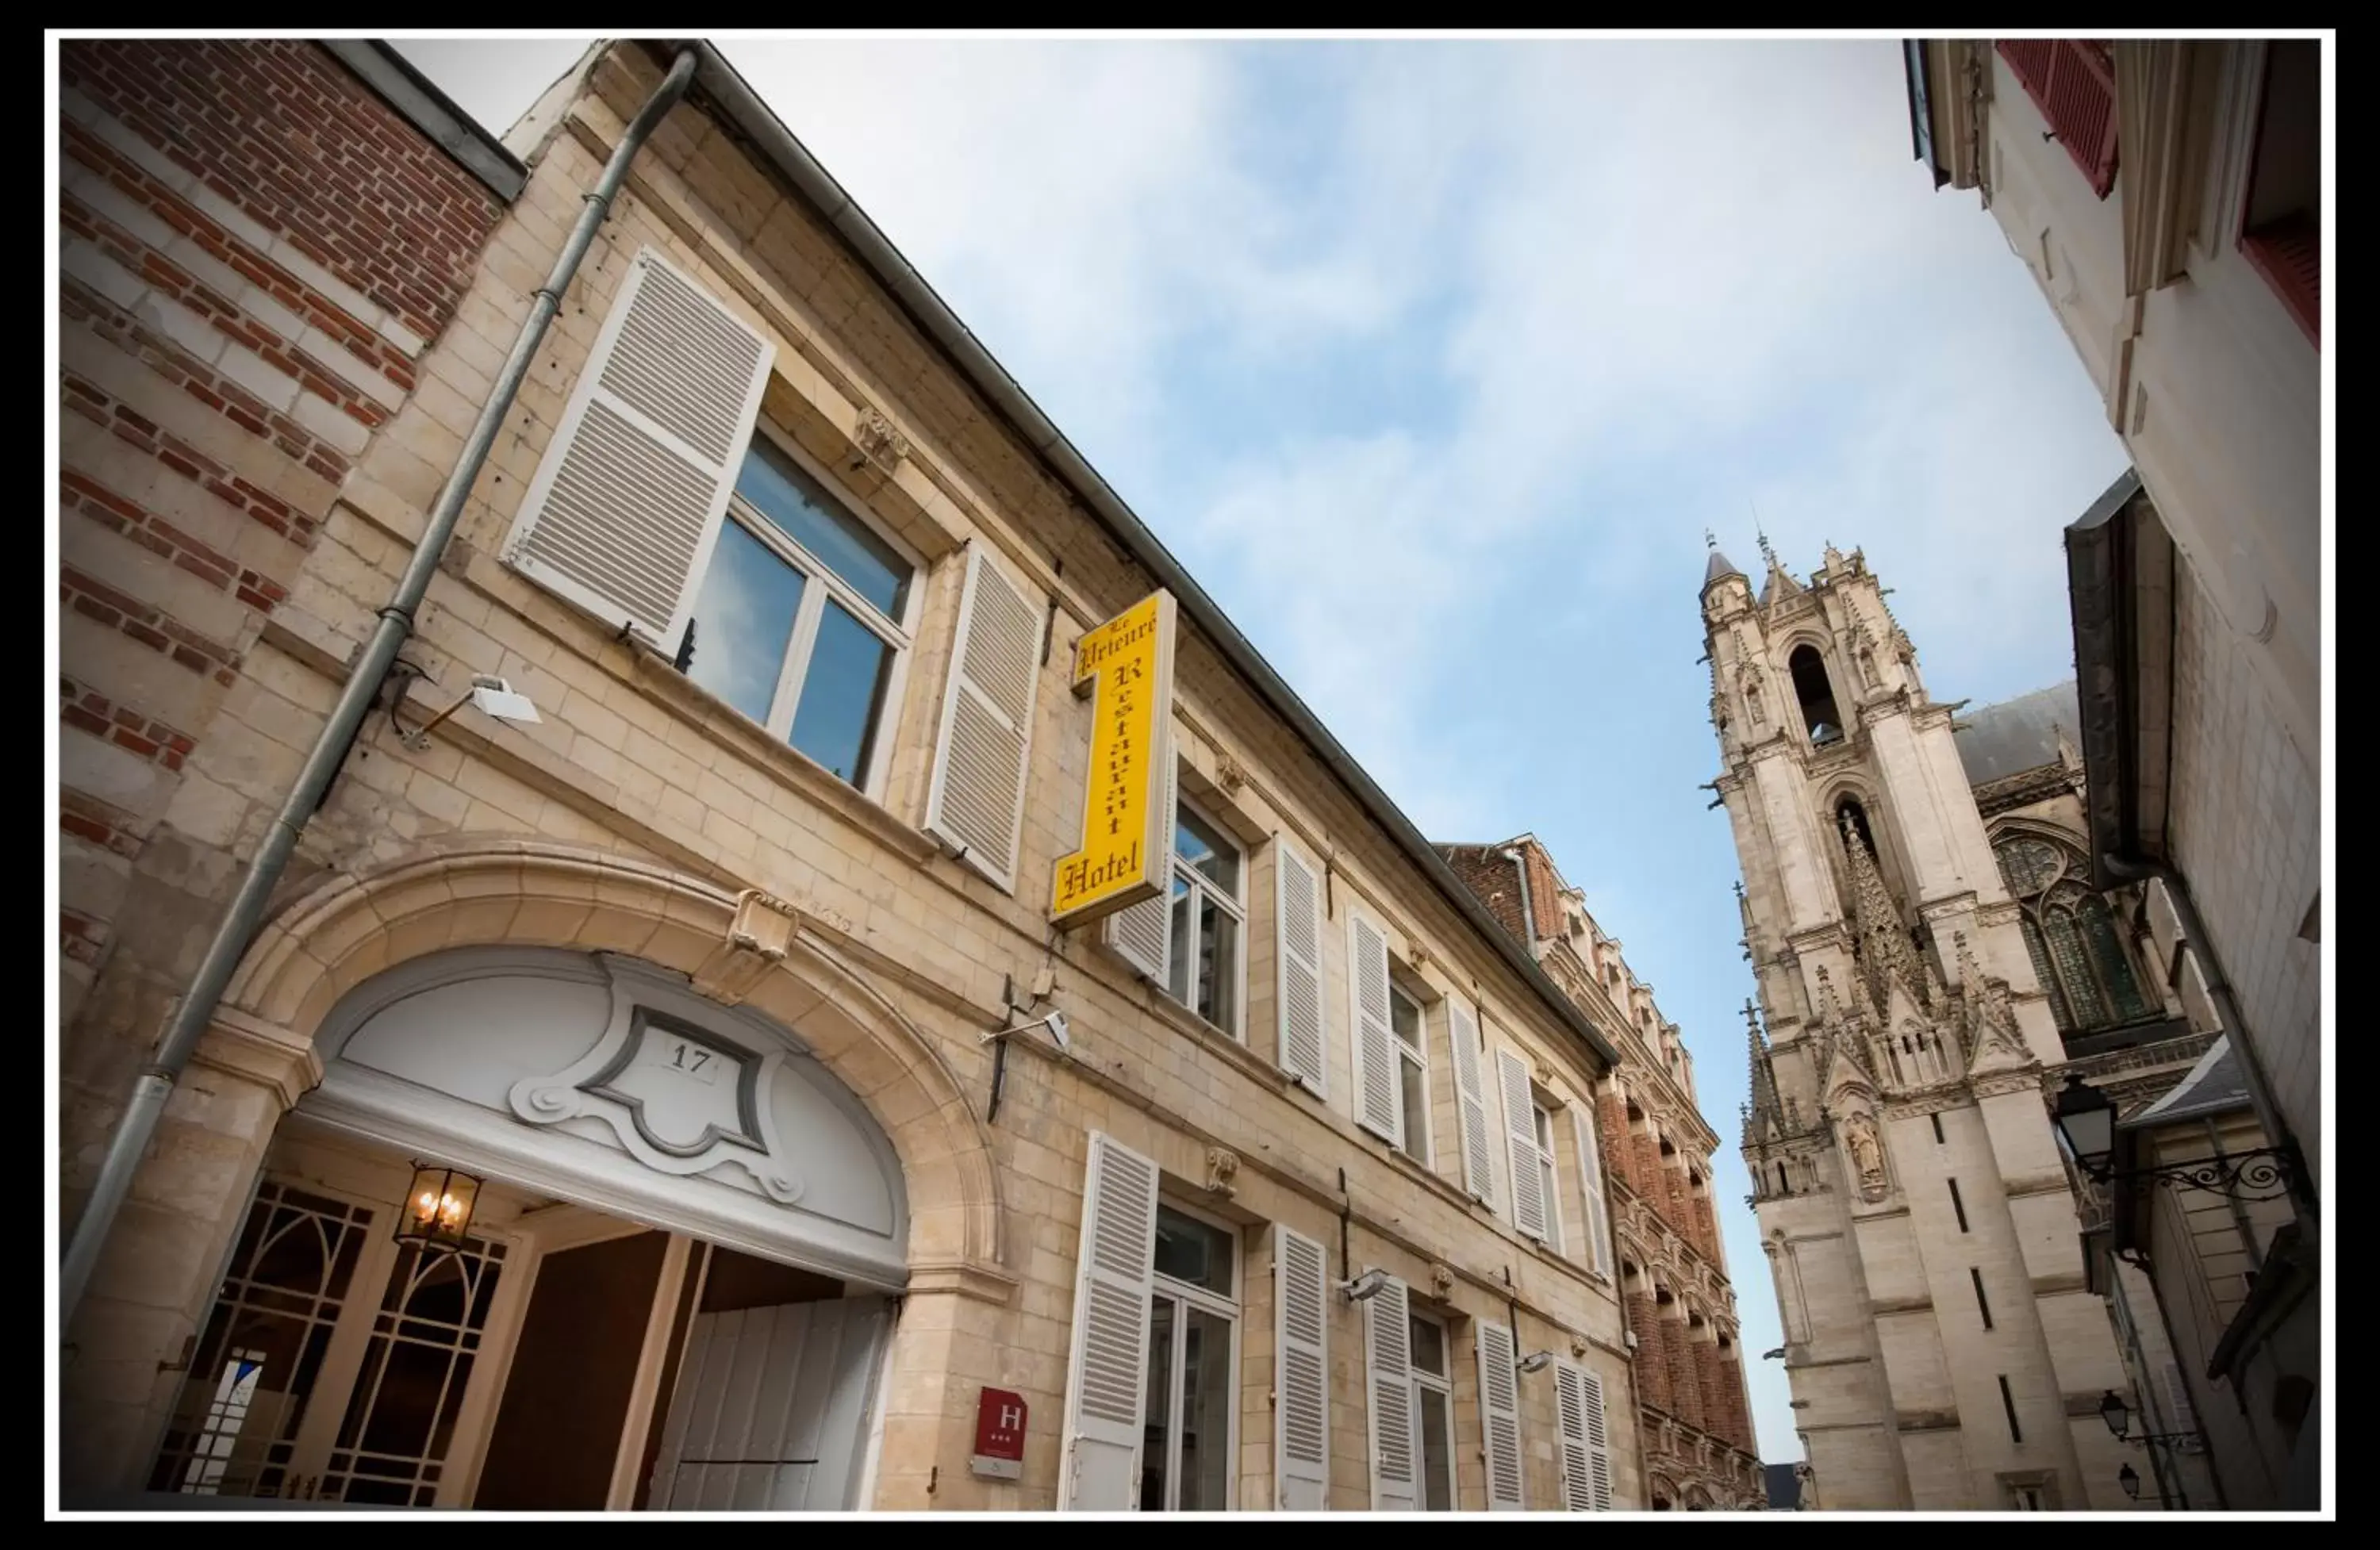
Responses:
[1867,1153]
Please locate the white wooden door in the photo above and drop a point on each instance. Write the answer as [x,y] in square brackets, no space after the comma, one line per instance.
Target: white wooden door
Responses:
[771,1408]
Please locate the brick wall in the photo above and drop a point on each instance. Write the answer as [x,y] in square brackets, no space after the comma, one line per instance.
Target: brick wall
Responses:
[1685,1382]
[284,132]
[255,253]
[1652,1363]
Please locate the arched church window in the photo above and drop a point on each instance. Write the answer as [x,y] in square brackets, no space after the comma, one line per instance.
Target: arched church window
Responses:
[2078,954]
[1816,694]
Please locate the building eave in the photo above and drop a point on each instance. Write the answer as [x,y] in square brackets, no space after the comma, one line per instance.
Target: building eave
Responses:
[724,91]
[2120,594]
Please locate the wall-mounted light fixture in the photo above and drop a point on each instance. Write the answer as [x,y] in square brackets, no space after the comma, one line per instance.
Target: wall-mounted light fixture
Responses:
[438,1208]
[493,695]
[2086,1123]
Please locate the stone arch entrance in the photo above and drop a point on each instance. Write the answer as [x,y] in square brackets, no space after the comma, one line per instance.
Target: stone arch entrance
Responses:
[260,1059]
[736,950]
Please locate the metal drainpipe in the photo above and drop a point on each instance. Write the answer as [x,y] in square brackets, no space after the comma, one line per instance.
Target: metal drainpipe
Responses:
[2219,987]
[197,1008]
[1528,910]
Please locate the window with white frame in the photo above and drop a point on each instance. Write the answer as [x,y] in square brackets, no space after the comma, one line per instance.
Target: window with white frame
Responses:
[1186,1459]
[1433,1412]
[803,616]
[1208,920]
[1412,1072]
[1545,1129]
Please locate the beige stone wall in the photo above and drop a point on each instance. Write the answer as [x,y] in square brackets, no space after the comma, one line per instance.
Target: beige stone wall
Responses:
[2246,834]
[2213,387]
[659,803]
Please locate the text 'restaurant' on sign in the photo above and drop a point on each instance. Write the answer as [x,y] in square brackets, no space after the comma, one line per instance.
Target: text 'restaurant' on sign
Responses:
[1126,666]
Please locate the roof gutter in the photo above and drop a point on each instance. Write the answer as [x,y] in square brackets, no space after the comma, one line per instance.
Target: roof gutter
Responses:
[719,81]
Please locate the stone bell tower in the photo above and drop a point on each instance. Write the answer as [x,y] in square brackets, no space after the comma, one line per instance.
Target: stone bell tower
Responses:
[1942,1346]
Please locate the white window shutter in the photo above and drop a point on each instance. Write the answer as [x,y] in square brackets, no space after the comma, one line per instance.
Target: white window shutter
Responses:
[1301,1372]
[1143,935]
[1367,1018]
[1478,1168]
[1597,1226]
[1388,1361]
[978,799]
[1500,1416]
[1297,912]
[1105,1381]
[1599,1443]
[1585,1442]
[626,508]
[1521,1132]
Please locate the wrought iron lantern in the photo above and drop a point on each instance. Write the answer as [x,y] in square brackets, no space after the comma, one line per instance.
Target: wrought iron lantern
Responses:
[2129,1479]
[2086,1123]
[438,1208]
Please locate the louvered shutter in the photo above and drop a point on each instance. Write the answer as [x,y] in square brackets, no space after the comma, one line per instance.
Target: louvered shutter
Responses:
[978,799]
[1471,1104]
[1367,1018]
[1297,910]
[1590,1184]
[1586,1442]
[1106,1379]
[1388,1363]
[2072,81]
[1521,1134]
[1301,1372]
[1143,935]
[626,508]
[1599,1443]
[1500,1416]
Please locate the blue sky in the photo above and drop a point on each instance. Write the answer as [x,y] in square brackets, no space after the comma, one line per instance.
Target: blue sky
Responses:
[1432,360]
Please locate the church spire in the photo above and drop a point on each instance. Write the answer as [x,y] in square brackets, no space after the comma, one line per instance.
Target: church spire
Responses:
[1886,956]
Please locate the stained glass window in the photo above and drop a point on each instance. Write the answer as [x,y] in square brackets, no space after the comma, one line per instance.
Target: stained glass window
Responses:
[2077,952]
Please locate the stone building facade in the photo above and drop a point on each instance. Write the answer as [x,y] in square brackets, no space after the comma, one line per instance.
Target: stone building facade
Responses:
[725,985]
[1930,951]
[1693,1415]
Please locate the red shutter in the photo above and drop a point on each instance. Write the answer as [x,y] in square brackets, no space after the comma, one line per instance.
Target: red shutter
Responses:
[2287,254]
[2072,81]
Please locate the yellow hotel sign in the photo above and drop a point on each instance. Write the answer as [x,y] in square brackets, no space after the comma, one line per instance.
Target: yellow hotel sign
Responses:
[1126,666]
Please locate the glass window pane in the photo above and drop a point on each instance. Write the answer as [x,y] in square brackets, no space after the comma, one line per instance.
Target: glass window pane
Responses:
[1155,1446]
[1437,1452]
[1205,850]
[1219,964]
[1404,1016]
[1206,1388]
[1188,1250]
[743,621]
[1428,1340]
[1414,1089]
[843,689]
[1177,973]
[811,517]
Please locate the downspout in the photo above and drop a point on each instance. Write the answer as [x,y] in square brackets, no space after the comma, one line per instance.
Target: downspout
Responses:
[1528,910]
[197,1008]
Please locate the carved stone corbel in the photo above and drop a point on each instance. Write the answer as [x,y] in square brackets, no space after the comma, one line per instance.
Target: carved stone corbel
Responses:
[1442,1280]
[878,441]
[1222,1166]
[757,940]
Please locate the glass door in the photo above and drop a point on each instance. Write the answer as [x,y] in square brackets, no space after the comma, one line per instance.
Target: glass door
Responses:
[333,1365]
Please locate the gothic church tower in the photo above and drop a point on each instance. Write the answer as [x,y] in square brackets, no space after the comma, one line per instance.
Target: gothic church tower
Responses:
[1942,1346]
